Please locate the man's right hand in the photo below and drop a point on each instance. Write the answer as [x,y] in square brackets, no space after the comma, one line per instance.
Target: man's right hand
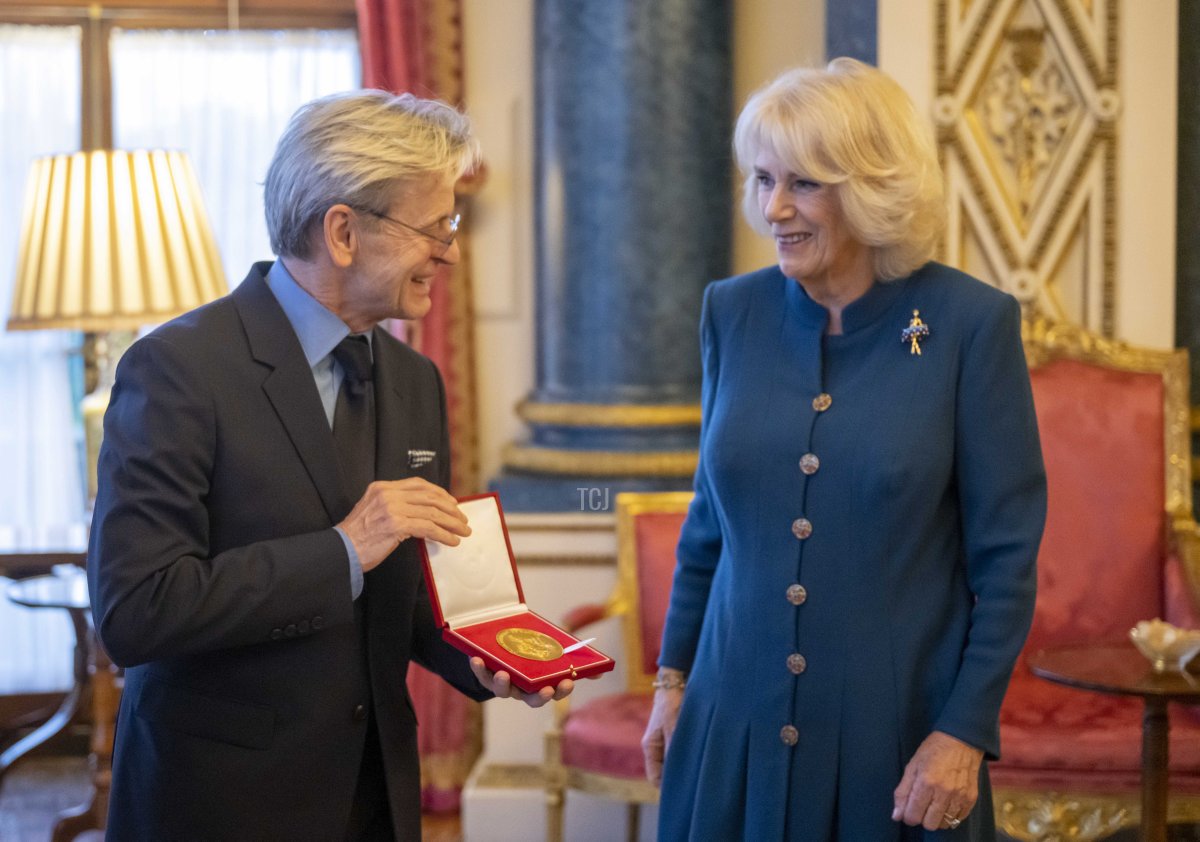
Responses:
[391,512]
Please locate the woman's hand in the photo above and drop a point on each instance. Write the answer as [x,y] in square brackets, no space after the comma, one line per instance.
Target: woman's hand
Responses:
[661,726]
[940,783]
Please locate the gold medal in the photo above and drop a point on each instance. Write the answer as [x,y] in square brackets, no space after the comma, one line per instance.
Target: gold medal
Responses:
[527,643]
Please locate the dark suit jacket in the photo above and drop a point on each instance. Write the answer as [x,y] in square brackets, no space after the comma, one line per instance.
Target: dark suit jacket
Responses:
[218,582]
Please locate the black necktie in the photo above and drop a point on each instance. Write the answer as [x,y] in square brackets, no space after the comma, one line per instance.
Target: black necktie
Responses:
[354,416]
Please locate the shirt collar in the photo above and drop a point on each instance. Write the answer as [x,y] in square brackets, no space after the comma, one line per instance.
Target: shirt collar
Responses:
[317,328]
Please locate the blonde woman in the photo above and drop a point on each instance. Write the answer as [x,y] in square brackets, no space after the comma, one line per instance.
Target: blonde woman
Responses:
[856,574]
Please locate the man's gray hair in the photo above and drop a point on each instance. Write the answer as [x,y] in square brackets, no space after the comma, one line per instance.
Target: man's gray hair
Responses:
[354,148]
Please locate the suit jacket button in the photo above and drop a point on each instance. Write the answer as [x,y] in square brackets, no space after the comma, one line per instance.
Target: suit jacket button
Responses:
[360,713]
[276,634]
[290,631]
[789,735]
[302,627]
[318,622]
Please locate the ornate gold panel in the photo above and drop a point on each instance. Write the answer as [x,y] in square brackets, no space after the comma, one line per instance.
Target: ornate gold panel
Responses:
[1026,113]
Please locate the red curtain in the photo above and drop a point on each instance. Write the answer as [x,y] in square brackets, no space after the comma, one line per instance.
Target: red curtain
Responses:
[416,46]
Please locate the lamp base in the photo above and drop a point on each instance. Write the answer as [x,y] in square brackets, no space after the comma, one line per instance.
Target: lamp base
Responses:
[101,352]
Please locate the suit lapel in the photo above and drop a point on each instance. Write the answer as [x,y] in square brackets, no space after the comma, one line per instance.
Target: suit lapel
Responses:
[290,387]
[393,406]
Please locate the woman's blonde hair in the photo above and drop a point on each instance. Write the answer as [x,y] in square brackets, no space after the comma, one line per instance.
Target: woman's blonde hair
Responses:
[354,148]
[851,126]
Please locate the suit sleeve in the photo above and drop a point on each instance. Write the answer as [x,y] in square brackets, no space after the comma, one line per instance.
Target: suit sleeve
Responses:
[1002,497]
[430,650]
[156,591]
[700,542]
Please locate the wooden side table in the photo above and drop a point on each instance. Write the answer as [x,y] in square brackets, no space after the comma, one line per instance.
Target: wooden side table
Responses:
[92,667]
[1119,669]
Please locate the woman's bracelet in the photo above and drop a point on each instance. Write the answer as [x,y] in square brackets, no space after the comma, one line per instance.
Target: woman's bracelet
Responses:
[669,681]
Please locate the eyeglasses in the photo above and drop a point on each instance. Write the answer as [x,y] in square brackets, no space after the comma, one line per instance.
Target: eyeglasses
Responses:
[452,224]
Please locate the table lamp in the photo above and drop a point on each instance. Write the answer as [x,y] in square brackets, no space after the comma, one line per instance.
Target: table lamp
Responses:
[111,241]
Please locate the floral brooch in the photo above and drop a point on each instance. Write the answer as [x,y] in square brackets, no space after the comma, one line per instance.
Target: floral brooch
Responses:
[916,331]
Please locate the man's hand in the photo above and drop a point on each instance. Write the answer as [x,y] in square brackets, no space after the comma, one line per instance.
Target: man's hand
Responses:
[661,726]
[391,512]
[500,684]
[940,783]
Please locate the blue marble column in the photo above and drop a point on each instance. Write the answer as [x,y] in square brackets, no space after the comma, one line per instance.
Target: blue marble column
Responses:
[633,213]
[851,29]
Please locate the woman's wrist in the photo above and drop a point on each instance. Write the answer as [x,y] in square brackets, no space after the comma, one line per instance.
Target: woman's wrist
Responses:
[669,679]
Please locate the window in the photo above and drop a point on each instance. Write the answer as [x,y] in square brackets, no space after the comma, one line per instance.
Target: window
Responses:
[174,79]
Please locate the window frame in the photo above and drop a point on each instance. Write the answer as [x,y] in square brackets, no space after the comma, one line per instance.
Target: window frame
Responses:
[97,22]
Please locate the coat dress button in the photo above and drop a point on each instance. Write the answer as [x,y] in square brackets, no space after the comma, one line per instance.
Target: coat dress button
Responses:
[822,402]
[789,735]
[290,631]
[796,594]
[801,528]
[318,622]
[360,713]
[809,463]
[276,634]
[797,663]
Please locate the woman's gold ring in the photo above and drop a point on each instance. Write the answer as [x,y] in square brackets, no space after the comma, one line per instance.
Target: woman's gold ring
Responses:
[952,821]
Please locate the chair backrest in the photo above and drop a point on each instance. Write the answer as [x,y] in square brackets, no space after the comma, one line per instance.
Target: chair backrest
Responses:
[1113,421]
[648,525]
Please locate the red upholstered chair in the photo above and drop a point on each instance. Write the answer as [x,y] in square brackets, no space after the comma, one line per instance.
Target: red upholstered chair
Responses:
[1119,547]
[596,747]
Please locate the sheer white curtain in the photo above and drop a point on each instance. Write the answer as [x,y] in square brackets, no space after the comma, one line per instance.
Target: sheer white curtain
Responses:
[41,483]
[224,98]
[41,472]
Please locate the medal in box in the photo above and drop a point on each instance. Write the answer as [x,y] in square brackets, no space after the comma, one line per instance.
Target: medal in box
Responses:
[478,602]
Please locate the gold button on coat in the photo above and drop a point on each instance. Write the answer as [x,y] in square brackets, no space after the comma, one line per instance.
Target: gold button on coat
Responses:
[809,464]
[822,402]
[801,528]
[789,735]
[796,594]
[797,663]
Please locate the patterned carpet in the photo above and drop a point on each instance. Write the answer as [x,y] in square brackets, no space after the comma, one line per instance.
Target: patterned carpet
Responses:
[37,789]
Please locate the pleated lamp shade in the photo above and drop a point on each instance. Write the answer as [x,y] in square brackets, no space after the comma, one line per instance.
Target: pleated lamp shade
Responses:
[113,240]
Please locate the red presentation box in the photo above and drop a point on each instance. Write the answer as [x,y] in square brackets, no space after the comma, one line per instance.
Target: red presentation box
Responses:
[478,602]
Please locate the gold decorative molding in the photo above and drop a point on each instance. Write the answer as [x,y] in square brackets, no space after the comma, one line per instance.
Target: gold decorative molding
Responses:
[1031,816]
[601,463]
[609,415]
[1026,113]
[1042,817]
[548,560]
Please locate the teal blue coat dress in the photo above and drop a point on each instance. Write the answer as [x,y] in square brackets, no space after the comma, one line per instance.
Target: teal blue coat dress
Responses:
[857,568]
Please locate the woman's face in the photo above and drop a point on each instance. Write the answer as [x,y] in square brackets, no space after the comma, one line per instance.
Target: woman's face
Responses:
[812,240]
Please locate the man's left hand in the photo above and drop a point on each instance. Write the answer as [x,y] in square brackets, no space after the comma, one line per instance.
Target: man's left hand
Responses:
[500,684]
[940,783]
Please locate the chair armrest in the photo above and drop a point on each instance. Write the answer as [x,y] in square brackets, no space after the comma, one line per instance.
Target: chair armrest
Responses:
[584,615]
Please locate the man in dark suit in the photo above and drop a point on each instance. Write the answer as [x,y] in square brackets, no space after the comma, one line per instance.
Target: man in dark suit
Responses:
[267,459]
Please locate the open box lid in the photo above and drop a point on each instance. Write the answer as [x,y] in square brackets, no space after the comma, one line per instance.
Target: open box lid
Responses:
[477,580]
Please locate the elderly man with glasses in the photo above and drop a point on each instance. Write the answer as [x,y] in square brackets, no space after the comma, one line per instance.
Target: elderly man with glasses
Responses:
[268,460]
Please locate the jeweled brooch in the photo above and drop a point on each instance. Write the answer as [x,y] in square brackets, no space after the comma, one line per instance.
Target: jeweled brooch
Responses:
[916,331]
